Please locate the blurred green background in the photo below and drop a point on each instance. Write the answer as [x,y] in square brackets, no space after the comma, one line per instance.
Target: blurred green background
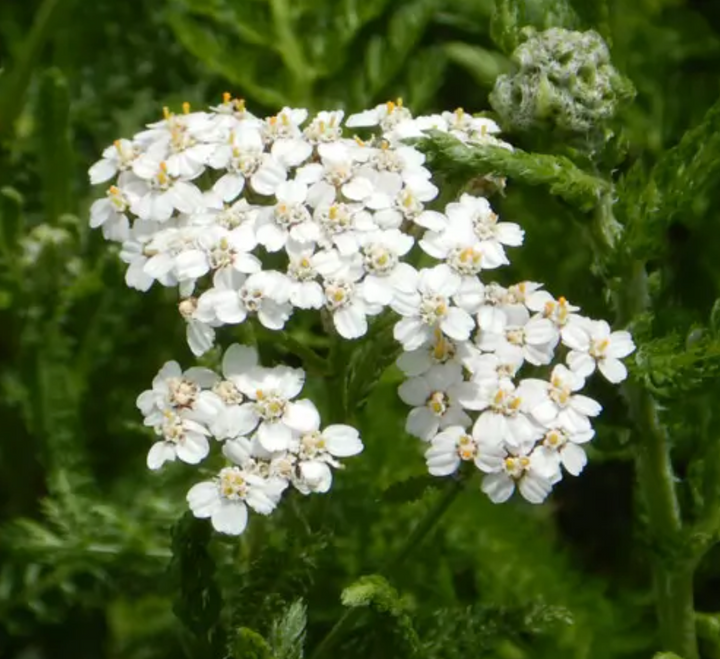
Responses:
[85,553]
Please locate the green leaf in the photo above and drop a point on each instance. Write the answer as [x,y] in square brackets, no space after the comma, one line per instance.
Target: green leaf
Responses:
[482,64]
[11,202]
[56,160]
[392,628]
[680,178]
[288,633]
[15,84]
[248,644]
[507,19]
[558,173]
[411,489]
[246,67]
[199,603]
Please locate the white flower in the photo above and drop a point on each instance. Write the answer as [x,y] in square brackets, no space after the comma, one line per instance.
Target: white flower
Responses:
[118,157]
[521,470]
[133,252]
[496,366]
[340,225]
[559,311]
[561,446]
[429,307]
[226,498]
[219,248]
[110,213]
[244,158]
[438,398]
[325,127]
[231,418]
[504,419]
[461,247]
[439,351]
[593,344]
[234,296]
[179,141]
[556,401]
[387,115]
[174,389]
[156,194]
[532,339]
[345,300]
[182,438]
[271,391]
[409,204]
[317,451]
[453,446]
[484,222]
[328,177]
[305,292]
[288,218]
[284,125]
[386,274]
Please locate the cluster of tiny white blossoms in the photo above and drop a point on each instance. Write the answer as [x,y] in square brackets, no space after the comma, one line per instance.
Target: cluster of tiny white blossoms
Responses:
[270,439]
[258,217]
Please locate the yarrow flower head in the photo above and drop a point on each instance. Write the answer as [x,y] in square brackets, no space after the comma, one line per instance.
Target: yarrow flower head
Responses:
[254,219]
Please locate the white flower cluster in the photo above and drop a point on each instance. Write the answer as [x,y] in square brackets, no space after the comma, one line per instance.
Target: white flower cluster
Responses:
[270,439]
[259,217]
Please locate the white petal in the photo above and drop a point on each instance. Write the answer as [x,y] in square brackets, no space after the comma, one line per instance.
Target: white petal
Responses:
[499,487]
[573,458]
[203,499]
[231,518]
[275,436]
[457,324]
[342,441]
[238,359]
[193,449]
[302,416]
[490,428]
[159,454]
[613,369]
[422,423]
[534,488]
[350,321]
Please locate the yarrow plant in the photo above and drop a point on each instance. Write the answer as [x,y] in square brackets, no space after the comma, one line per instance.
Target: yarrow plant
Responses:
[255,218]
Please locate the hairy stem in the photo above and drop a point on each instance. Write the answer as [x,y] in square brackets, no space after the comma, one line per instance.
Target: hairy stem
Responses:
[418,534]
[672,577]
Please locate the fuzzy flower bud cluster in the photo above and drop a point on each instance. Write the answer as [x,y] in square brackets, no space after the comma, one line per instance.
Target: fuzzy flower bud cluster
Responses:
[563,78]
[258,218]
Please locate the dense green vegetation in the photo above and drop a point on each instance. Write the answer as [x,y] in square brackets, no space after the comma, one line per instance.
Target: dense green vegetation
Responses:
[97,555]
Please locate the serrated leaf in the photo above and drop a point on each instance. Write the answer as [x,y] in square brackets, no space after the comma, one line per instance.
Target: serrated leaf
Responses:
[558,173]
[507,19]
[373,590]
[248,644]
[411,489]
[680,177]
[287,636]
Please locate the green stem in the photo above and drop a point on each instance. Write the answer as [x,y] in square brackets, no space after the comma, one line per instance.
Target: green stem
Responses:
[414,539]
[672,576]
[14,89]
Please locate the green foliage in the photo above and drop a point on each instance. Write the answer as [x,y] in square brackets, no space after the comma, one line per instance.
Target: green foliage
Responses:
[392,631]
[287,635]
[85,545]
[199,602]
[558,173]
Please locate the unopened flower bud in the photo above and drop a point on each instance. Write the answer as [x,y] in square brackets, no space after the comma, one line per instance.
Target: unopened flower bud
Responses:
[564,78]
[187,307]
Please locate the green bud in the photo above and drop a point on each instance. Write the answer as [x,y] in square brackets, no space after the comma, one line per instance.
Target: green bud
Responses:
[564,79]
